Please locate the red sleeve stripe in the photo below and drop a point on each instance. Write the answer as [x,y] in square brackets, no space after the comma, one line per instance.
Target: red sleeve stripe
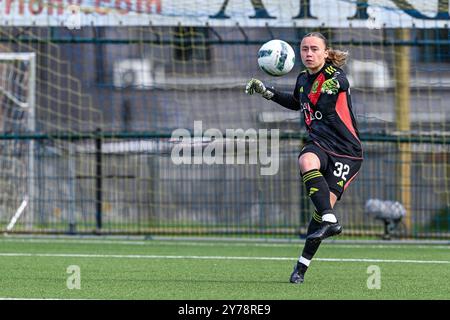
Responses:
[344,113]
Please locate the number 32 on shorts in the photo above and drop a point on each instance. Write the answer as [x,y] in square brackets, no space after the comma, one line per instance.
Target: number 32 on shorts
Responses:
[342,170]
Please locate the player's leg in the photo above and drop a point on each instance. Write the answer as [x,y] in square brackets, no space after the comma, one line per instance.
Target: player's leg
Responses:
[313,161]
[311,247]
[328,227]
[338,175]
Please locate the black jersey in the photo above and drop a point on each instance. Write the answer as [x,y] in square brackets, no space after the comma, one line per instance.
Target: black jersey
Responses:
[328,116]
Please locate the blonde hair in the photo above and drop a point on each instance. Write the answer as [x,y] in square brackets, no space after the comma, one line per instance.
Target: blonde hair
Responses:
[336,57]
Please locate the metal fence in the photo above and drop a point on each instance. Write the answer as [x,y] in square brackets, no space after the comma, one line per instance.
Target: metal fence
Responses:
[130,184]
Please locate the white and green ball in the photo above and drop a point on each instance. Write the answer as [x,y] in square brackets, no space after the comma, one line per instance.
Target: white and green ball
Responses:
[276,57]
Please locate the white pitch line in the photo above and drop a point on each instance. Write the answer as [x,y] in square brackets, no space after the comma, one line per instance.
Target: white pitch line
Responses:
[215,244]
[76,241]
[136,256]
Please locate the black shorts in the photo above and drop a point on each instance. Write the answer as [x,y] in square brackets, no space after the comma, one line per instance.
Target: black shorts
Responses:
[338,171]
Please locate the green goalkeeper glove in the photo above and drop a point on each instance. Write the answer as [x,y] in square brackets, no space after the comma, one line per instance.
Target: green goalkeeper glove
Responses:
[331,86]
[255,85]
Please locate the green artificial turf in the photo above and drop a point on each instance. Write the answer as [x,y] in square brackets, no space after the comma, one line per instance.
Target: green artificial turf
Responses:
[202,270]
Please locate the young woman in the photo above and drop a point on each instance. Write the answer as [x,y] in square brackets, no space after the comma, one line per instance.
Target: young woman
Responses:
[332,155]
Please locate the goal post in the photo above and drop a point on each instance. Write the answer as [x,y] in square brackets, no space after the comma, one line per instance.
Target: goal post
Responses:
[18,91]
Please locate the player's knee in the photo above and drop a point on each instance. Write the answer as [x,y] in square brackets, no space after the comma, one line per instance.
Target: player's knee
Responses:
[308,161]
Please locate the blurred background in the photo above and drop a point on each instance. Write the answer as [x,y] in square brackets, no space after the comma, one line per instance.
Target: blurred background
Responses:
[91,92]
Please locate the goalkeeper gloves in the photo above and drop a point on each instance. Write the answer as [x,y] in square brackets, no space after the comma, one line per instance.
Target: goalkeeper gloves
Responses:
[255,85]
[331,86]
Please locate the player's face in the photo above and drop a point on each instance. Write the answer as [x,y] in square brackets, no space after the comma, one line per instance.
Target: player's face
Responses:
[313,53]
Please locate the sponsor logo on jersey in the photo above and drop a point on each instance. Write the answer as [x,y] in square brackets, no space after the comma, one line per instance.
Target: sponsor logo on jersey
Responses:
[309,113]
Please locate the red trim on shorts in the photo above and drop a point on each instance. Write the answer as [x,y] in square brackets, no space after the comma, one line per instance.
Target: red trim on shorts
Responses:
[349,181]
[336,154]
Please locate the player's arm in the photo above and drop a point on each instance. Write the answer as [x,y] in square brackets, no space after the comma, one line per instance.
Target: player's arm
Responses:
[287,100]
[341,78]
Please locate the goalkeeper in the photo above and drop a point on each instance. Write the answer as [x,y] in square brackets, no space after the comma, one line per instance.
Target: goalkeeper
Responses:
[332,154]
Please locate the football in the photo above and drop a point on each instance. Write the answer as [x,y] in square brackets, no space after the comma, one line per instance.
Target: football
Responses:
[276,57]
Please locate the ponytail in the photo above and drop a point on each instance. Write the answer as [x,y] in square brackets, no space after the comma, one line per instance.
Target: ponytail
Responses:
[337,57]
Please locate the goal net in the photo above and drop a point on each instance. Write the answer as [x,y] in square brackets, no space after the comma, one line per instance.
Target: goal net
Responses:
[42,112]
[142,112]
[17,92]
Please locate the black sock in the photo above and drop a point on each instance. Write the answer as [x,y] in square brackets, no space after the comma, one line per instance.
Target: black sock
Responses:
[310,248]
[318,191]
[302,267]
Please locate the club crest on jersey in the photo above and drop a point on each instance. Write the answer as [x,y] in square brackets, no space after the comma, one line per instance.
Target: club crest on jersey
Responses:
[315,86]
